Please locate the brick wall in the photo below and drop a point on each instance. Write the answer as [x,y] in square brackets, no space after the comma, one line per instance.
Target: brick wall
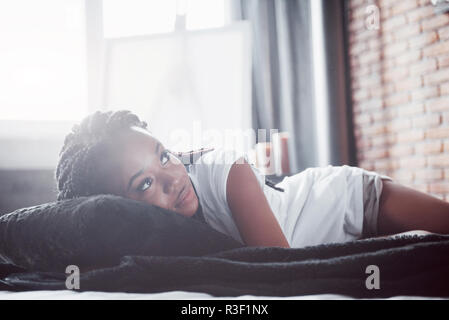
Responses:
[400,92]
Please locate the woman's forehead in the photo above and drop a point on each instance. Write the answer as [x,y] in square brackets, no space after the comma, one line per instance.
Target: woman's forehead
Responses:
[140,148]
[138,138]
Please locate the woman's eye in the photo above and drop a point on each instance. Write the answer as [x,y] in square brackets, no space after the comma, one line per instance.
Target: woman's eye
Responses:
[165,156]
[145,184]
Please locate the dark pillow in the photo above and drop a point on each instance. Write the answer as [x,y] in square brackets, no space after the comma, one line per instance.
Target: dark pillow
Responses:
[97,231]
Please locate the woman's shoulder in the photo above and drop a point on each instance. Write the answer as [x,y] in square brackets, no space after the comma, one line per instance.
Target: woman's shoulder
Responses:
[212,168]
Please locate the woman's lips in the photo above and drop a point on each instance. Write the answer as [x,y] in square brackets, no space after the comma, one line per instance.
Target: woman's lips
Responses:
[186,197]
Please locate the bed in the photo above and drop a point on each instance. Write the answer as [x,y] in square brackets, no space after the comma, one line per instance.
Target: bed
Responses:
[129,250]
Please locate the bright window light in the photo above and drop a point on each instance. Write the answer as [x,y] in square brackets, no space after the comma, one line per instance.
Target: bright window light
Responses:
[204,14]
[42,60]
[123,18]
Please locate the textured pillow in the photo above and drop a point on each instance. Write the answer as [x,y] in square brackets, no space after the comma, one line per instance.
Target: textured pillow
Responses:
[97,231]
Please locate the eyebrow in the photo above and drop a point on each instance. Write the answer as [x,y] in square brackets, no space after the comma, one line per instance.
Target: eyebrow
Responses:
[138,173]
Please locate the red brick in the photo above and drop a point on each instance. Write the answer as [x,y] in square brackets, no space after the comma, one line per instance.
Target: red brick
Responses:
[369,81]
[395,74]
[409,84]
[439,161]
[356,25]
[395,48]
[383,165]
[423,67]
[403,175]
[427,120]
[380,141]
[358,48]
[436,77]
[439,187]
[363,143]
[436,49]
[401,151]
[419,14]
[363,35]
[376,92]
[356,3]
[402,6]
[359,72]
[388,88]
[412,162]
[437,21]
[443,62]
[437,133]
[377,153]
[359,13]
[374,129]
[386,3]
[428,147]
[425,93]
[388,63]
[393,23]
[397,99]
[406,33]
[374,44]
[360,95]
[414,135]
[379,116]
[429,174]
[372,104]
[376,68]
[387,38]
[443,33]
[385,115]
[446,146]
[423,40]
[445,117]
[408,57]
[444,88]
[369,57]
[385,13]
[363,119]
[399,124]
[412,109]
[437,105]
[392,138]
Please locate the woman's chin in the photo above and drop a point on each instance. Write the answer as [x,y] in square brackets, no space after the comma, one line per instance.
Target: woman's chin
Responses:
[189,210]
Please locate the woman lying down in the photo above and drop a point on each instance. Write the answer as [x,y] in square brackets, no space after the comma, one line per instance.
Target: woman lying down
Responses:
[114,153]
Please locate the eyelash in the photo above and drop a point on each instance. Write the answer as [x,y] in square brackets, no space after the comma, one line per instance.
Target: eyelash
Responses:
[149,181]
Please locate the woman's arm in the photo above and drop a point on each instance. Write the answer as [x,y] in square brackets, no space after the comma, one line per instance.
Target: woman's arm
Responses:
[250,209]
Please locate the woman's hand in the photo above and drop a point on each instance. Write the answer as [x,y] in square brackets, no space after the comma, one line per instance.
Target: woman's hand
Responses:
[252,213]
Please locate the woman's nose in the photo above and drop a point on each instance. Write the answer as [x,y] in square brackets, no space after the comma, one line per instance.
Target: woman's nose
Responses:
[171,183]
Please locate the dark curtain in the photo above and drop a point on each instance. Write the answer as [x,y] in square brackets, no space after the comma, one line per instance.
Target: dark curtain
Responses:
[282,89]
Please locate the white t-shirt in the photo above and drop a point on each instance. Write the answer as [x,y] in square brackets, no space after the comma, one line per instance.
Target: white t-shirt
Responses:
[319,205]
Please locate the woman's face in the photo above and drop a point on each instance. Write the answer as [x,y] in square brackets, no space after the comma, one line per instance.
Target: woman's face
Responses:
[152,175]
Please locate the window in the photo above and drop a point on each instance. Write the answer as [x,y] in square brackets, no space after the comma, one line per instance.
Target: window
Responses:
[136,17]
[42,60]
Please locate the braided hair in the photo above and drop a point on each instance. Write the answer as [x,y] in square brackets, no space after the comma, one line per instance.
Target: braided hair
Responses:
[81,169]
[90,151]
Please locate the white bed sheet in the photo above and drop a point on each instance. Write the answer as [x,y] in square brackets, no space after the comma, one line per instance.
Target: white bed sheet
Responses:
[170,295]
